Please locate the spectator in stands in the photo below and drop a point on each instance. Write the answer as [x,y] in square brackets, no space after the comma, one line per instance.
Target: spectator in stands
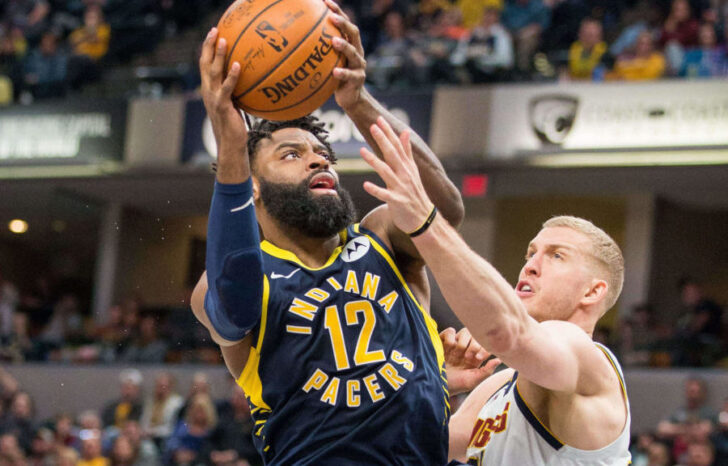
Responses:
[42,448]
[91,454]
[658,454]
[680,26]
[587,53]
[190,439]
[233,439]
[644,17]
[89,45]
[428,12]
[372,20]
[720,437]
[700,328]
[391,61]
[487,52]
[19,420]
[66,456]
[13,48]
[46,68]
[160,411]
[707,59]
[66,323]
[645,63]
[63,427]
[11,452]
[32,16]
[146,452]
[526,19]
[129,405]
[637,336]
[199,384]
[8,303]
[695,415]
[147,347]
[18,344]
[122,452]
[699,454]
[473,10]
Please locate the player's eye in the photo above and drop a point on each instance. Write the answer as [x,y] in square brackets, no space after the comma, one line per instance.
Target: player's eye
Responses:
[529,255]
[558,255]
[291,154]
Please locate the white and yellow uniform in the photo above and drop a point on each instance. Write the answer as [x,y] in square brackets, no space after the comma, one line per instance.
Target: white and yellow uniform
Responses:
[508,433]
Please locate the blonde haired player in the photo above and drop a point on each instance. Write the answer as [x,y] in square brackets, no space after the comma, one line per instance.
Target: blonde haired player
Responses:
[563,400]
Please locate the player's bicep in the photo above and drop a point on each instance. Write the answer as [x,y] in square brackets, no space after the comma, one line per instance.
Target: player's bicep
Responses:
[558,356]
[197,302]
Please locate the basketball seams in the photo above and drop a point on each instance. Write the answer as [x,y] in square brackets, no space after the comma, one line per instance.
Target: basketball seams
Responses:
[308,96]
[245,29]
[291,52]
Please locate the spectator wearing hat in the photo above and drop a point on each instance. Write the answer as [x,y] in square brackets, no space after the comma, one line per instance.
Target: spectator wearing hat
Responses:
[129,404]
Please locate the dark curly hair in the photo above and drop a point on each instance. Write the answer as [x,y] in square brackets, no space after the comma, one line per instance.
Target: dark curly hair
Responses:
[264,129]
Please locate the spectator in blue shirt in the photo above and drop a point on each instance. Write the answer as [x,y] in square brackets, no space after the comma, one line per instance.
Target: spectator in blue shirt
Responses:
[526,19]
[708,59]
[46,68]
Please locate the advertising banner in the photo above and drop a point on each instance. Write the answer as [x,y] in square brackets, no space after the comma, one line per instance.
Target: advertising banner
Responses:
[79,132]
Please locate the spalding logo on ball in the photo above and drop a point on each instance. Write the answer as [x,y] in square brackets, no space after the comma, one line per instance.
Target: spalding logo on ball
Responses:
[286,55]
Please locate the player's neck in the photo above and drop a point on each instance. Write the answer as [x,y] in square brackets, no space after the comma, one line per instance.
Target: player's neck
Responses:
[313,252]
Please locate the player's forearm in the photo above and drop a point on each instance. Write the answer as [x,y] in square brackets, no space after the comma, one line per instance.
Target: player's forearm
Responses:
[440,189]
[481,298]
[233,165]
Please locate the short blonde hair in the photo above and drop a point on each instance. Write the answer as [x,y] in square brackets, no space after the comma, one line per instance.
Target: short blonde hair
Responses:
[204,400]
[604,249]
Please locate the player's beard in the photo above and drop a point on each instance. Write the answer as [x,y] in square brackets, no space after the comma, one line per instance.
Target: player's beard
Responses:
[296,207]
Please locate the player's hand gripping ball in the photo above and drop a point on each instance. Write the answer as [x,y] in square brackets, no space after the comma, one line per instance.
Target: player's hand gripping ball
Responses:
[286,56]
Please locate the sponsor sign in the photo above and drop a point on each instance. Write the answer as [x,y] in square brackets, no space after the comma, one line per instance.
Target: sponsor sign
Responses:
[412,108]
[82,132]
[607,116]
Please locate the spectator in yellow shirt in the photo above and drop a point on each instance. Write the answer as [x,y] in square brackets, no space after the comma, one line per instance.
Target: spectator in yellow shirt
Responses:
[644,64]
[89,43]
[473,10]
[91,454]
[91,39]
[587,52]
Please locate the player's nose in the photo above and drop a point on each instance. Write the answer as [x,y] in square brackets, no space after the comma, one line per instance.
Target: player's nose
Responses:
[317,162]
[533,266]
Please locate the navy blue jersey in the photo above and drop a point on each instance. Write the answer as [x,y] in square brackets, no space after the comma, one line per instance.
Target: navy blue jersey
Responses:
[347,367]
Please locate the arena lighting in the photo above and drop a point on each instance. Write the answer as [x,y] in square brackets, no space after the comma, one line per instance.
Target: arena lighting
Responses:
[18,226]
[629,159]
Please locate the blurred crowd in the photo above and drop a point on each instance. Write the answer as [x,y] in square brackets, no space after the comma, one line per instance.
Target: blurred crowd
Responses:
[699,338]
[474,41]
[51,47]
[51,322]
[695,434]
[162,428]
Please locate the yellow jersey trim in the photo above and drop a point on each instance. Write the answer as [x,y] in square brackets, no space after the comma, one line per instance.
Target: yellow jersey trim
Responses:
[429,321]
[275,251]
[250,380]
[614,366]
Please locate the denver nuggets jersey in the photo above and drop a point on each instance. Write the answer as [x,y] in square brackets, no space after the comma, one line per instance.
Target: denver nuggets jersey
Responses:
[347,368]
[508,433]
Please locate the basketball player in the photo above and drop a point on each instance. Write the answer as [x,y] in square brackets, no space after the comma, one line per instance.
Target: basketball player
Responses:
[563,401]
[325,323]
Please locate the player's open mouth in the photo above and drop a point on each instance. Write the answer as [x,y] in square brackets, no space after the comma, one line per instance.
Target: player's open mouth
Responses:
[323,183]
[524,289]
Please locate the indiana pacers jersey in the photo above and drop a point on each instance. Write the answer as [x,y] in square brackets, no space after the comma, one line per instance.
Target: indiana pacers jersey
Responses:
[508,433]
[347,368]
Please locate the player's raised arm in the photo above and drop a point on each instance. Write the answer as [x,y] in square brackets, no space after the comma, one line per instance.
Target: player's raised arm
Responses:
[233,286]
[364,110]
[554,355]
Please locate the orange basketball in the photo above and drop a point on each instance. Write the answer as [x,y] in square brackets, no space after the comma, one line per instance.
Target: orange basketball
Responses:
[286,55]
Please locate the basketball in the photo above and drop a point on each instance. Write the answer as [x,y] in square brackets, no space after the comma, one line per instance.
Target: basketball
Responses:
[286,56]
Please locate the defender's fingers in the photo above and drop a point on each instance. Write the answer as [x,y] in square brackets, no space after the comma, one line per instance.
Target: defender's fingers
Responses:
[406,139]
[383,170]
[463,340]
[377,191]
[354,60]
[385,145]
[391,136]
[228,86]
[218,63]
[208,48]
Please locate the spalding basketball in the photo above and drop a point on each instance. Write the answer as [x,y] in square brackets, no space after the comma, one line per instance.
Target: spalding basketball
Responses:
[286,55]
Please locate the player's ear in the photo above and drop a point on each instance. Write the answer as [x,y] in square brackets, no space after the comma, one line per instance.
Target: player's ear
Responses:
[256,188]
[596,292]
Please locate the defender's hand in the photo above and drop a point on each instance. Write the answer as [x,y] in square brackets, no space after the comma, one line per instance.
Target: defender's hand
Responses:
[217,89]
[464,359]
[353,75]
[405,195]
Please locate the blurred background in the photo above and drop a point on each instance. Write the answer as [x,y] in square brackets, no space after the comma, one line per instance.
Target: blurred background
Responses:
[613,110]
